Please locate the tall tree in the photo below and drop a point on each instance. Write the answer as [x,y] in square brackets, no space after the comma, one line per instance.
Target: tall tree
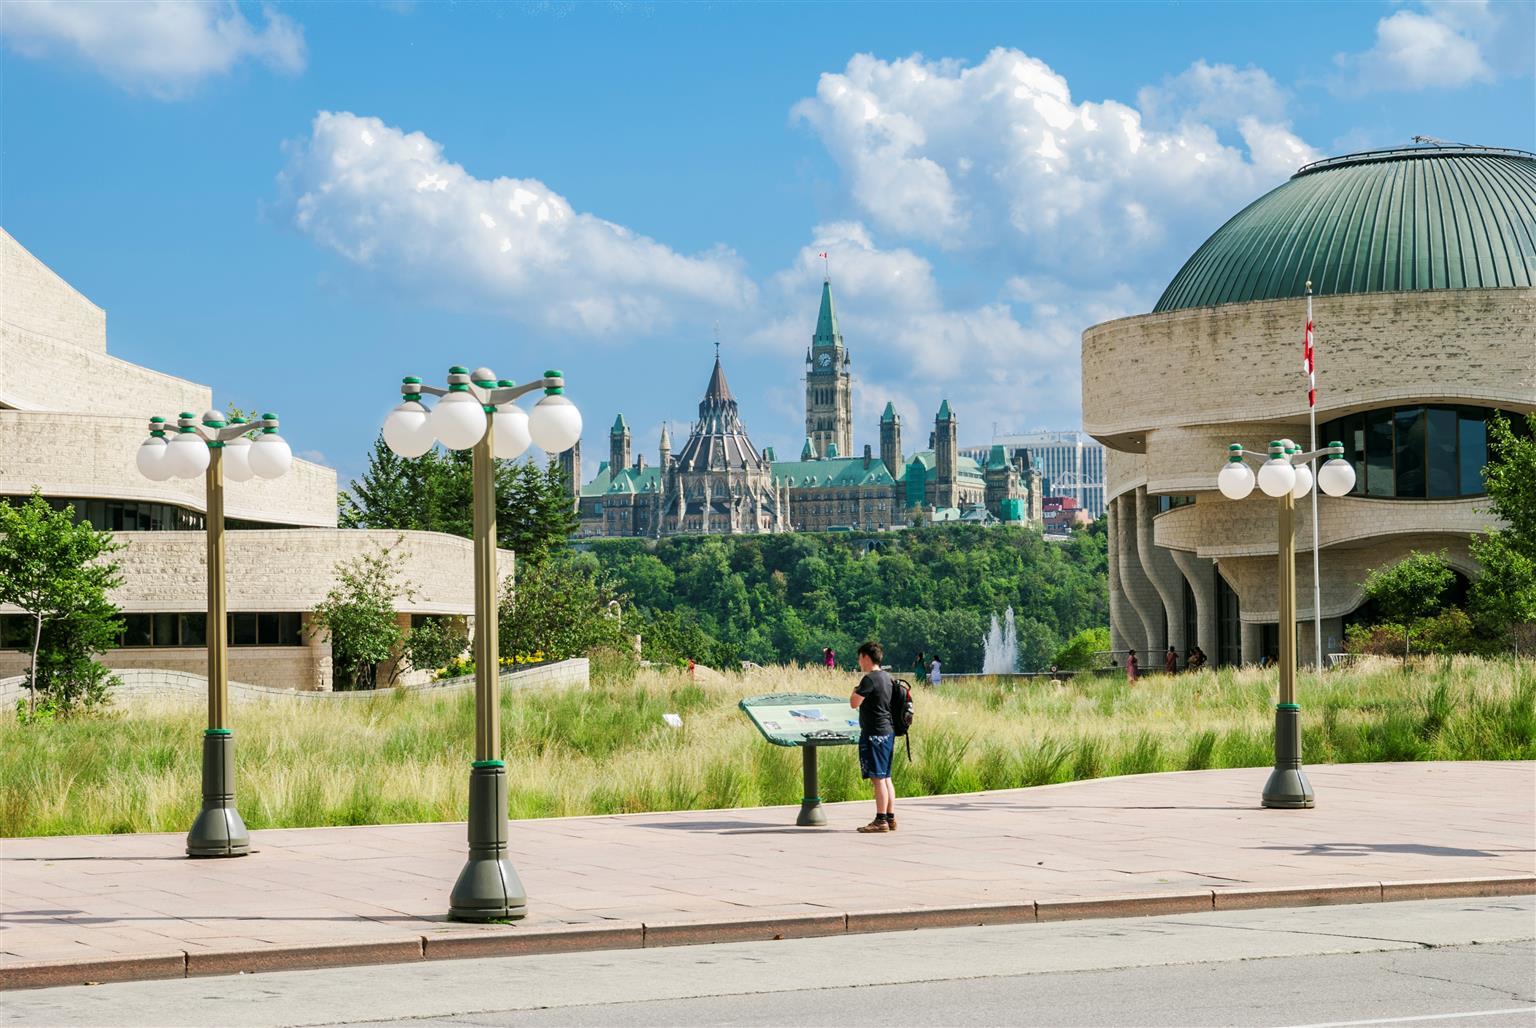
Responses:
[359,616]
[53,569]
[1504,595]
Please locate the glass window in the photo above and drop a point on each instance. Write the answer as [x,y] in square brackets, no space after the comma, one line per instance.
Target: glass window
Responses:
[16,632]
[242,629]
[1409,425]
[267,629]
[164,630]
[1379,454]
[1472,444]
[136,629]
[1444,476]
[194,629]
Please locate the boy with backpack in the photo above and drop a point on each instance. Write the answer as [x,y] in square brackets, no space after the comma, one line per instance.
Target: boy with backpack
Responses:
[885,710]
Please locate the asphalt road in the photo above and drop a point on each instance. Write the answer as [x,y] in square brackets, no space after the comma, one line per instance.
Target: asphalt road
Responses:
[1453,962]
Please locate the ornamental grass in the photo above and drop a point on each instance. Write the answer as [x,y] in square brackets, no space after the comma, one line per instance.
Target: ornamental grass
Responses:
[403,756]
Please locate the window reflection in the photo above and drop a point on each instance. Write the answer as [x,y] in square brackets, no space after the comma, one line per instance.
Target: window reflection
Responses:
[1416,452]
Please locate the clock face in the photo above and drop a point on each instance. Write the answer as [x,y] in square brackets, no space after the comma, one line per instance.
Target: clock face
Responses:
[825,360]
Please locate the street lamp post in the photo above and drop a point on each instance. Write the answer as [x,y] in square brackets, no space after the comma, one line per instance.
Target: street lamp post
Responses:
[477,412]
[1287,476]
[216,449]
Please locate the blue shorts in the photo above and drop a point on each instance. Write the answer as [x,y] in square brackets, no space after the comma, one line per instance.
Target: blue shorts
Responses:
[875,755]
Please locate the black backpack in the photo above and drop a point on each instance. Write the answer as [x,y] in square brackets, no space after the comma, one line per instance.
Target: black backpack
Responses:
[902,711]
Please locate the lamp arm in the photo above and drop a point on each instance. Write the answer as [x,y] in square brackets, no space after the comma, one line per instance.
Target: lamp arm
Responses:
[507,394]
[229,432]
[1306,458]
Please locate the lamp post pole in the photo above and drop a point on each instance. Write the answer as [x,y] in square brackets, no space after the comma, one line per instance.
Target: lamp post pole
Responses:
[478,413]
[1286,476]
[219,830]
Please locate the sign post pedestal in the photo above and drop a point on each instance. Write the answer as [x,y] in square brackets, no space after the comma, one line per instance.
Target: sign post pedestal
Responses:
[809,722]
[811,814]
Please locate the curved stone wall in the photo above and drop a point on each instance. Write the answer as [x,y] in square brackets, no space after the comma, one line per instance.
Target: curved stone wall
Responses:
[1167,392]
[92,456]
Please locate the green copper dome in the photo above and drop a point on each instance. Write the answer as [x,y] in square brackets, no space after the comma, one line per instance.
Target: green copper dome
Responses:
[1442,217]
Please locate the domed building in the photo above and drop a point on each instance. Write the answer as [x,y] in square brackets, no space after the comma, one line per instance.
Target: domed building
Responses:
[1421,263]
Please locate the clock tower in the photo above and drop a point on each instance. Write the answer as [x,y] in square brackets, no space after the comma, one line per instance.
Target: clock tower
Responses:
[828,385]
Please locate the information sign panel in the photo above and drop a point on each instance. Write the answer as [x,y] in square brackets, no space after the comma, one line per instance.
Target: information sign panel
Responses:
[803,719]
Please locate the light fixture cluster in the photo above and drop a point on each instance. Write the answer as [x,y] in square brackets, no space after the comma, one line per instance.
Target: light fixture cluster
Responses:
[473,401]
[186,453]
[1285,471]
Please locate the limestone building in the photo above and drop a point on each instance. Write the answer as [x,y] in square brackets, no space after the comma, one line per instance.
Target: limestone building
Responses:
[1421,260]
[71,419]
[720,483]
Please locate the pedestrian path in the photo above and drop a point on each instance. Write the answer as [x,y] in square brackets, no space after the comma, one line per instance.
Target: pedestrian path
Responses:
[101,908]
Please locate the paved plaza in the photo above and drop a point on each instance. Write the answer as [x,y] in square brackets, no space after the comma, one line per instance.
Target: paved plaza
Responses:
[104,908]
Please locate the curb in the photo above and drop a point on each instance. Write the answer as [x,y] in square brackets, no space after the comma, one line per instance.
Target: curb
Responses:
[616,935]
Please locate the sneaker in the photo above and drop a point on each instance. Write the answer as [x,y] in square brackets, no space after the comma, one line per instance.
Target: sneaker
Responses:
[875,826]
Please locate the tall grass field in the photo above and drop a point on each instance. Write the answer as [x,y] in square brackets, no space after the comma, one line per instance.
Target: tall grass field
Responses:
[403,757]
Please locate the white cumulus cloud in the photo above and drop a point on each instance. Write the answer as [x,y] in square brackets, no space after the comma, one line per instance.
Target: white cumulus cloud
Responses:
[999,155]
[161,47]
[1011,359]
[1443,46]
[389,200]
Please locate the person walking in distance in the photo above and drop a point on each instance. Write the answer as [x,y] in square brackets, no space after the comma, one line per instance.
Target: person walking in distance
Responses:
[920,668]
[877,734]
[829,658]
[935,672]
[1130,666]
[1171,661]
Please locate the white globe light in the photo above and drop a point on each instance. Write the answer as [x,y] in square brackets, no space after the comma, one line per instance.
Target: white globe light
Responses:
[1303,484]
[408,430]
[187,455]
[152,460]
[270,455]
[458,421]
[510,428]
[555,424]
[1336,477]
[1277,477]
[237,460]
[1235,480]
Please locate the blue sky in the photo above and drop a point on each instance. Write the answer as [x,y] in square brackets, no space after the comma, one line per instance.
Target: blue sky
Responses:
[299,203]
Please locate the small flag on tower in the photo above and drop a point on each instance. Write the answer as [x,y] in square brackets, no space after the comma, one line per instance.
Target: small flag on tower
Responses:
[822,255]
[1309,366]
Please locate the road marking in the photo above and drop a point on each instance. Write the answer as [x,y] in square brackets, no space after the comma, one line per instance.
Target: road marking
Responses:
[1423,1017]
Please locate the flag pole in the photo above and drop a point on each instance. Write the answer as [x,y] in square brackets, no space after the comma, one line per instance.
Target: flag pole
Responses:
[1317,585]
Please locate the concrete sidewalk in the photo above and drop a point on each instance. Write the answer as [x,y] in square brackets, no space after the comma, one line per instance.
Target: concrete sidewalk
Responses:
[103,908]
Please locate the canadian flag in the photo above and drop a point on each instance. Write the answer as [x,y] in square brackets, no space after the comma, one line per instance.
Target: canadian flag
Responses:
[1309,366]
[823,256]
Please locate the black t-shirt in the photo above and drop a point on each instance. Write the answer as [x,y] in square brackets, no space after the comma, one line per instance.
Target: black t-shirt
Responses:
[875,711]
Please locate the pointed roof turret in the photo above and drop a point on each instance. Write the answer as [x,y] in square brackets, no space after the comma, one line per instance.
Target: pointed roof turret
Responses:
[807,452]
[832,451]
[998,457]
[888,415]
[826,320]
[718,391]
[620,426]
[666,437]
[944,411]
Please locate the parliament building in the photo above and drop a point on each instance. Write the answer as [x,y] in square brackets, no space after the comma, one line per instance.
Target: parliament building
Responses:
[719,483]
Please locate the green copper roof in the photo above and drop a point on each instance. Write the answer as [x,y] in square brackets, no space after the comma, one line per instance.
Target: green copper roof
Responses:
[826,321]
[944,414]
[807,452]
[627,480]
[1442,217]
[997,457]
[889,414]
[619,426]
[831,473]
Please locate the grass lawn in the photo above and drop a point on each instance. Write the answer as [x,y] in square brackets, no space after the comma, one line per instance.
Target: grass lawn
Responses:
[402,757]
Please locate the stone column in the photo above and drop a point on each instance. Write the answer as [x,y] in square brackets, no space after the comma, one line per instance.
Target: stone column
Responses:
[1119,608]
[1164,575]
[1201,575]
[1252,641]
[1150,624]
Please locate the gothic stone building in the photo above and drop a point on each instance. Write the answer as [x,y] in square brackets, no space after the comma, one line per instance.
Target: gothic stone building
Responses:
[720,483]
